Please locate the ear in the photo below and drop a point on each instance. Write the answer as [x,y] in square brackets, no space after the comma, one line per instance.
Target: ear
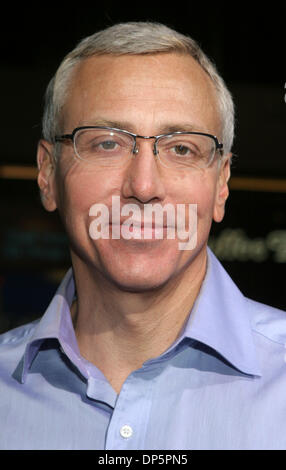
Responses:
[222,190]
[46,175]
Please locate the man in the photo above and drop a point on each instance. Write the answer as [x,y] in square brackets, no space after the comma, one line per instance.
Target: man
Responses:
[147,344]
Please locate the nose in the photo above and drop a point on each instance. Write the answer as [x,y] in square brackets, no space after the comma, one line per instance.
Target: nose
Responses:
[143,179]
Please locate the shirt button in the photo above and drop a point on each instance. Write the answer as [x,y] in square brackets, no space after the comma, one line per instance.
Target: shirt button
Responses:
[126,431]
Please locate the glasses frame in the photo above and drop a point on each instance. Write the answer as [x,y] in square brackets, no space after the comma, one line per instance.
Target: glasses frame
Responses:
[135,149]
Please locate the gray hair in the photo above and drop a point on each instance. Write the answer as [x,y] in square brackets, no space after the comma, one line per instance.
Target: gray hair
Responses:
[133,38]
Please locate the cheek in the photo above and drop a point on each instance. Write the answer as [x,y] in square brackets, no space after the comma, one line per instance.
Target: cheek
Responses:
[205,204]
[79,190]
[197,188]
[79,187]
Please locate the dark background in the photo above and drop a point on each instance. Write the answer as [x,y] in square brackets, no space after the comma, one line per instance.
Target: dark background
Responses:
[248,45]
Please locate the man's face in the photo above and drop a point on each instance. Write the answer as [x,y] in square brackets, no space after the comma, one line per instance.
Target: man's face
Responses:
[146,95]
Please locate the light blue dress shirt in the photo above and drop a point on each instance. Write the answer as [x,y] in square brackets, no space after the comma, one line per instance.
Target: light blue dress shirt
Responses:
[221,385]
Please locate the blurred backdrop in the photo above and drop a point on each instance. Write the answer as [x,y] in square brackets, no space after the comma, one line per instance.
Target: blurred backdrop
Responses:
[248,46]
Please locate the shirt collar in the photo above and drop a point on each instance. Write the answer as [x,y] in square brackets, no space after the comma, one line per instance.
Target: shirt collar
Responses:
[220,319]
[56,323]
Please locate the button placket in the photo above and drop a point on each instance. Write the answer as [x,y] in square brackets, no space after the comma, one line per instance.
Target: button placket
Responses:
[129,420]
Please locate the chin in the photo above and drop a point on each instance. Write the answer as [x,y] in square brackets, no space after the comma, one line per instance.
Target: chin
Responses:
[139,284]
[141,274]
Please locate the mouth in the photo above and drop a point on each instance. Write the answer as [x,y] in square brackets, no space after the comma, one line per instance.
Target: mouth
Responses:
[153,224]
[142,230]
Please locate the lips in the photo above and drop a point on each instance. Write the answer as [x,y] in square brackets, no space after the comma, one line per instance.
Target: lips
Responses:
[141,230]
[143,224]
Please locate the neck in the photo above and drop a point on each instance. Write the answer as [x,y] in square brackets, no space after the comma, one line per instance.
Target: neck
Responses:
[118,331]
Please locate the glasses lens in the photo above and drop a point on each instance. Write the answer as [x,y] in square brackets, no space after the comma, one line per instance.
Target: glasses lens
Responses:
[185,151]
[104,147]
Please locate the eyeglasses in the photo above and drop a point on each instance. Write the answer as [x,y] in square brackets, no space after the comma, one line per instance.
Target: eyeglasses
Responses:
[111,147]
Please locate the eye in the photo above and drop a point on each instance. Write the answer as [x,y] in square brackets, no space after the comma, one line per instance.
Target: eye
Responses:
[104,144]
[182,150]
[108,145]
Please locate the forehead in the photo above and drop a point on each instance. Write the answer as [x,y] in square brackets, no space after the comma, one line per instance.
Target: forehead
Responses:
[141,87]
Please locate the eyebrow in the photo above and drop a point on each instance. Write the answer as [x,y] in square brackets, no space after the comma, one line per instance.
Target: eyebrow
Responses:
[168,128]
[123,125]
